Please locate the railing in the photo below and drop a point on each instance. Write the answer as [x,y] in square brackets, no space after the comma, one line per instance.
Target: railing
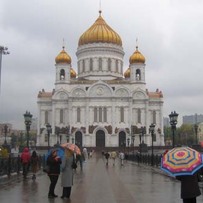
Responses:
[147,159]
[12,165]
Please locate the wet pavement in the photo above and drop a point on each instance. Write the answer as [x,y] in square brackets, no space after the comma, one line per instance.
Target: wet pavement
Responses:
[97,183]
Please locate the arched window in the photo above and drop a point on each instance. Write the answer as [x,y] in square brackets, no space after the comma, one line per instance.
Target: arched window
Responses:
[83,66]
[78,114]
[46,120]
[154,117]
[139,115]
[91,64]
[109,64]
[61,115]
[116,66]
[62,74]
[100,64]
[122,114]
[138,74]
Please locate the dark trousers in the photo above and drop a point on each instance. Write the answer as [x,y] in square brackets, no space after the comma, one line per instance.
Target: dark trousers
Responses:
[53,180]
[66,192]
[25,169]
[191,200]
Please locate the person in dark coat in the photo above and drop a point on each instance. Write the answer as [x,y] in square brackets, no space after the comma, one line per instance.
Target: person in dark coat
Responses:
[25,160]
[34,164]
[53,161]
[107,155]
[189,188]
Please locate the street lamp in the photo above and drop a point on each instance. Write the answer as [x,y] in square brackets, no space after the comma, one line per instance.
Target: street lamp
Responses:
[173,117]
[5,131]
[128,141]
[151,130]
[196,128]
[3,51]
[28,122]
[48,126]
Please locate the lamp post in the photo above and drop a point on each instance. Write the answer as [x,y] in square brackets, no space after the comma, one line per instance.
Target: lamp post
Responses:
[28,122]
[133,140]
[151,130]
[173,117]
[48,126]
[5,131]
[3,51]
[128,141]
[196,129]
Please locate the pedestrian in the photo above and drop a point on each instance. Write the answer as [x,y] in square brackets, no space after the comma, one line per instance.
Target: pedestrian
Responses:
[25,160]
[34,161]
[189,188]
[113,156]
[67,173]
[107,155]
[79,159]
[121,156]
[53,161]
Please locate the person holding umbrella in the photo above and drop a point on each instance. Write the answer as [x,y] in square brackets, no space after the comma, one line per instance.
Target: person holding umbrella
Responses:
[53,161]
[67,173]
[189,188]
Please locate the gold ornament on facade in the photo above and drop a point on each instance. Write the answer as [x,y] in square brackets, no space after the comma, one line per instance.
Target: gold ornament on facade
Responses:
[63,57]
[127,73]
[100,31]
[137,57]
[72,73]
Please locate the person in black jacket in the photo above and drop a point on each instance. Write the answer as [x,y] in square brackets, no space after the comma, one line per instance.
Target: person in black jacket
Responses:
[53,161]
[189,188]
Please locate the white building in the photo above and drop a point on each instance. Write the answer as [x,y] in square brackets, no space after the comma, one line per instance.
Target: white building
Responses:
[100,106]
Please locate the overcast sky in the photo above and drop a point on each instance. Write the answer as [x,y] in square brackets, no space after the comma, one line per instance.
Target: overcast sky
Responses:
[169,32]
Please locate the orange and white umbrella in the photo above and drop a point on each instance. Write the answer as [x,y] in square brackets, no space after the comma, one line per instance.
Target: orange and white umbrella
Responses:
[73,147]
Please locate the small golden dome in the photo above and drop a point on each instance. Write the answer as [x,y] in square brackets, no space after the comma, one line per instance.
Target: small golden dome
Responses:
[127,73]
[63,57]
[72,73]
[137,57]
[100,32]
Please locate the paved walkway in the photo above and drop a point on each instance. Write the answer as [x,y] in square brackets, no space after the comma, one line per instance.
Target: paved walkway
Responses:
[98,183]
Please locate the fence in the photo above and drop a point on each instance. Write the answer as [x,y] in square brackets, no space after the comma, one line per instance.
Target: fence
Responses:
[12,165]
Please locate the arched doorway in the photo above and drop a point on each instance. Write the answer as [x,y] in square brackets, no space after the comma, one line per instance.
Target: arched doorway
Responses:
[122,139]
[78,139]
[100,138]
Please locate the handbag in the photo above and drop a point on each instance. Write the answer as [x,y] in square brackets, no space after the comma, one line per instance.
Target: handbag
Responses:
[46,169]
[74,165]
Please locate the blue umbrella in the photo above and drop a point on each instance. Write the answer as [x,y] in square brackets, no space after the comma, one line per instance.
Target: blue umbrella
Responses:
[60,152]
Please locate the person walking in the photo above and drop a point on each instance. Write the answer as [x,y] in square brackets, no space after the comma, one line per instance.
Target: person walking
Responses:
[113,156]
[107,155]
[25,160]
[122,156]
[53,161]
[67,173]
[34,161]
[189,188]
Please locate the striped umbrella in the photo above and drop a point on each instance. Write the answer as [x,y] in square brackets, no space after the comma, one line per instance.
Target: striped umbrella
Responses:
[181,161]
[73,147]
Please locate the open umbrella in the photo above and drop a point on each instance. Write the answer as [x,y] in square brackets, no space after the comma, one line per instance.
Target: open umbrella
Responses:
[60,152]
[182,161]
[73,147]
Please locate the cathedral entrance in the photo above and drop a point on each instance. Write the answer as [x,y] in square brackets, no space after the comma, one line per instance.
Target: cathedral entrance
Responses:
[100,138]
[78,139]
[122,139]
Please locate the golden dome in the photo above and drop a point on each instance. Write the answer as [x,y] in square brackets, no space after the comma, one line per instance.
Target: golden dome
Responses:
[63,57]
[127,73]
[137,57]
[100,32]
[72,73]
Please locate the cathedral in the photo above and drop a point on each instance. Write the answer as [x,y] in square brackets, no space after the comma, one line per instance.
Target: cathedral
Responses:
[100,105]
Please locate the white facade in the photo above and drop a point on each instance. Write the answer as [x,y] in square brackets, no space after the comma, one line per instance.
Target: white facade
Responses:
[100,107]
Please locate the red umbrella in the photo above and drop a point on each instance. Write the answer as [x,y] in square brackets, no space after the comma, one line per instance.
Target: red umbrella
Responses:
[73,147]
